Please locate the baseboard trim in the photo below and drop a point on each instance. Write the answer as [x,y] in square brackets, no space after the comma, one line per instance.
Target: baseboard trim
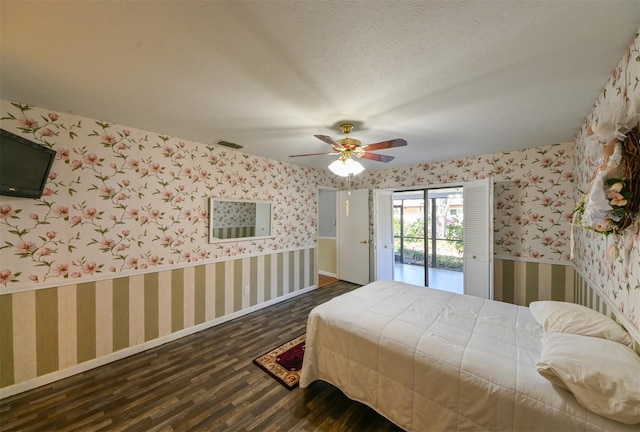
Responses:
[126,352]
[325,273]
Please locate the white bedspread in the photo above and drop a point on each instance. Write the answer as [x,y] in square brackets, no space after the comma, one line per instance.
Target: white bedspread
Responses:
[433,360]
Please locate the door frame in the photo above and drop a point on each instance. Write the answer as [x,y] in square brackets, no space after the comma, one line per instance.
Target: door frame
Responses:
[426,189]
[317,256]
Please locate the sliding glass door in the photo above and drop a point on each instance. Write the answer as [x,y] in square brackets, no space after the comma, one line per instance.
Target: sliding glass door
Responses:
[428,237]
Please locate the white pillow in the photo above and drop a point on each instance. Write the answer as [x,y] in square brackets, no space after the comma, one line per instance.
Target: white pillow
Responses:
[564,317]
[604,376]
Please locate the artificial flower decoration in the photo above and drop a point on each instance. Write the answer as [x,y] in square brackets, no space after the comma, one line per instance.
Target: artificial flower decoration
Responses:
[613,199]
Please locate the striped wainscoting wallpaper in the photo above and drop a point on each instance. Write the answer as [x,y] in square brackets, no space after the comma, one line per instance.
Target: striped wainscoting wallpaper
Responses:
[522,282]
[233,232]
[48,330]
[586,295]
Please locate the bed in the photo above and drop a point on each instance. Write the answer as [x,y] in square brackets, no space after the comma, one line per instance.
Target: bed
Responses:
[432,360]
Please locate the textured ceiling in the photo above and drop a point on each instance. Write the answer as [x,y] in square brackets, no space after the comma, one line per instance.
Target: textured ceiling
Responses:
[452,78]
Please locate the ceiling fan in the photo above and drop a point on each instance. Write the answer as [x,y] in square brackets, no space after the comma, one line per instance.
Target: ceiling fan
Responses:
[347,147]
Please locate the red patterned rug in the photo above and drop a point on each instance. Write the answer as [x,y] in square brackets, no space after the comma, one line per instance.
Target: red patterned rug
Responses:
[284,362]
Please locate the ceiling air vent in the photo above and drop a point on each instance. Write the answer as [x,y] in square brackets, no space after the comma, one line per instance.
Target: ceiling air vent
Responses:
[229,144]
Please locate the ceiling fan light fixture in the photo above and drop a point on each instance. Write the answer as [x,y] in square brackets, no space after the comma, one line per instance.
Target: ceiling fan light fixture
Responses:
[346,167]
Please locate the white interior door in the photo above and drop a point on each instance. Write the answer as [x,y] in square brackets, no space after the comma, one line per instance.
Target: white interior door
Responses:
[478,238]
[383,234]
[353,236]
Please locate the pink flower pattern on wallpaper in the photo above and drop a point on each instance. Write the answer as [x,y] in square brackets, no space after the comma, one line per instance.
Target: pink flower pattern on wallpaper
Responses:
[121,200]
[532,195]
[611,262]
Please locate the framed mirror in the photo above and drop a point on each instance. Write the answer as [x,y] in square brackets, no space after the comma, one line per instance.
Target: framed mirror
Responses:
[233,220]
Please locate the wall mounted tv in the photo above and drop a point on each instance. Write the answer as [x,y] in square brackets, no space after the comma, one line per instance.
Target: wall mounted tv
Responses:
[24,166]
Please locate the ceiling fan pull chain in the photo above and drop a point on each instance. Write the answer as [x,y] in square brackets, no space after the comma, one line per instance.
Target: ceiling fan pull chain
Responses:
[346,202]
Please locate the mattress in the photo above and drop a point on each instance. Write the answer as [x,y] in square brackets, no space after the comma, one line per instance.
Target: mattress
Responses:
[433,360]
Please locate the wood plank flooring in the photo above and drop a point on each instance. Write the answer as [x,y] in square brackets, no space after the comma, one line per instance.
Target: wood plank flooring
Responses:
[202,382]
[323,280]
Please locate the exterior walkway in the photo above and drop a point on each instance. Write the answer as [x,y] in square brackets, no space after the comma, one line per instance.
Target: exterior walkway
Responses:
[445,280]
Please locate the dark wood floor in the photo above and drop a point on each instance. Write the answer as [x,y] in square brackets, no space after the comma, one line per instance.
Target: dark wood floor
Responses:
[202,382]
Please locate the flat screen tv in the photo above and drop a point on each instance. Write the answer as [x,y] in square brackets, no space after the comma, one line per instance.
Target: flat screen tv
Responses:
[24,166]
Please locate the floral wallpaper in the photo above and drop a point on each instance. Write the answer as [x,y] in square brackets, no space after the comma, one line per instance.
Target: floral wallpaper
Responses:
[121,200]
[532,195]
[611,262]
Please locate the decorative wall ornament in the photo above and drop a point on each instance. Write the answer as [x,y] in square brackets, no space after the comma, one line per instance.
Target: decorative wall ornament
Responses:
[611,204]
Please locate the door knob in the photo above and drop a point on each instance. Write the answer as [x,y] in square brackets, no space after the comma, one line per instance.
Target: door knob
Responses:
[363,242]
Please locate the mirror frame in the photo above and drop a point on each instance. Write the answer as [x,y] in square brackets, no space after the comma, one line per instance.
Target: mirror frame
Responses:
[212,207]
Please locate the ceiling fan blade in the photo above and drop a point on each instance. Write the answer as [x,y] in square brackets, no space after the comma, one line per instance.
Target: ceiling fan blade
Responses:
[329,141]
[314,154]
[377,157]
[398,142]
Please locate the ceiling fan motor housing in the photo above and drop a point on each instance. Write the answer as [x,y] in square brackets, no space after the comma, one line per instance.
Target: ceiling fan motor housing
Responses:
[349,143]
